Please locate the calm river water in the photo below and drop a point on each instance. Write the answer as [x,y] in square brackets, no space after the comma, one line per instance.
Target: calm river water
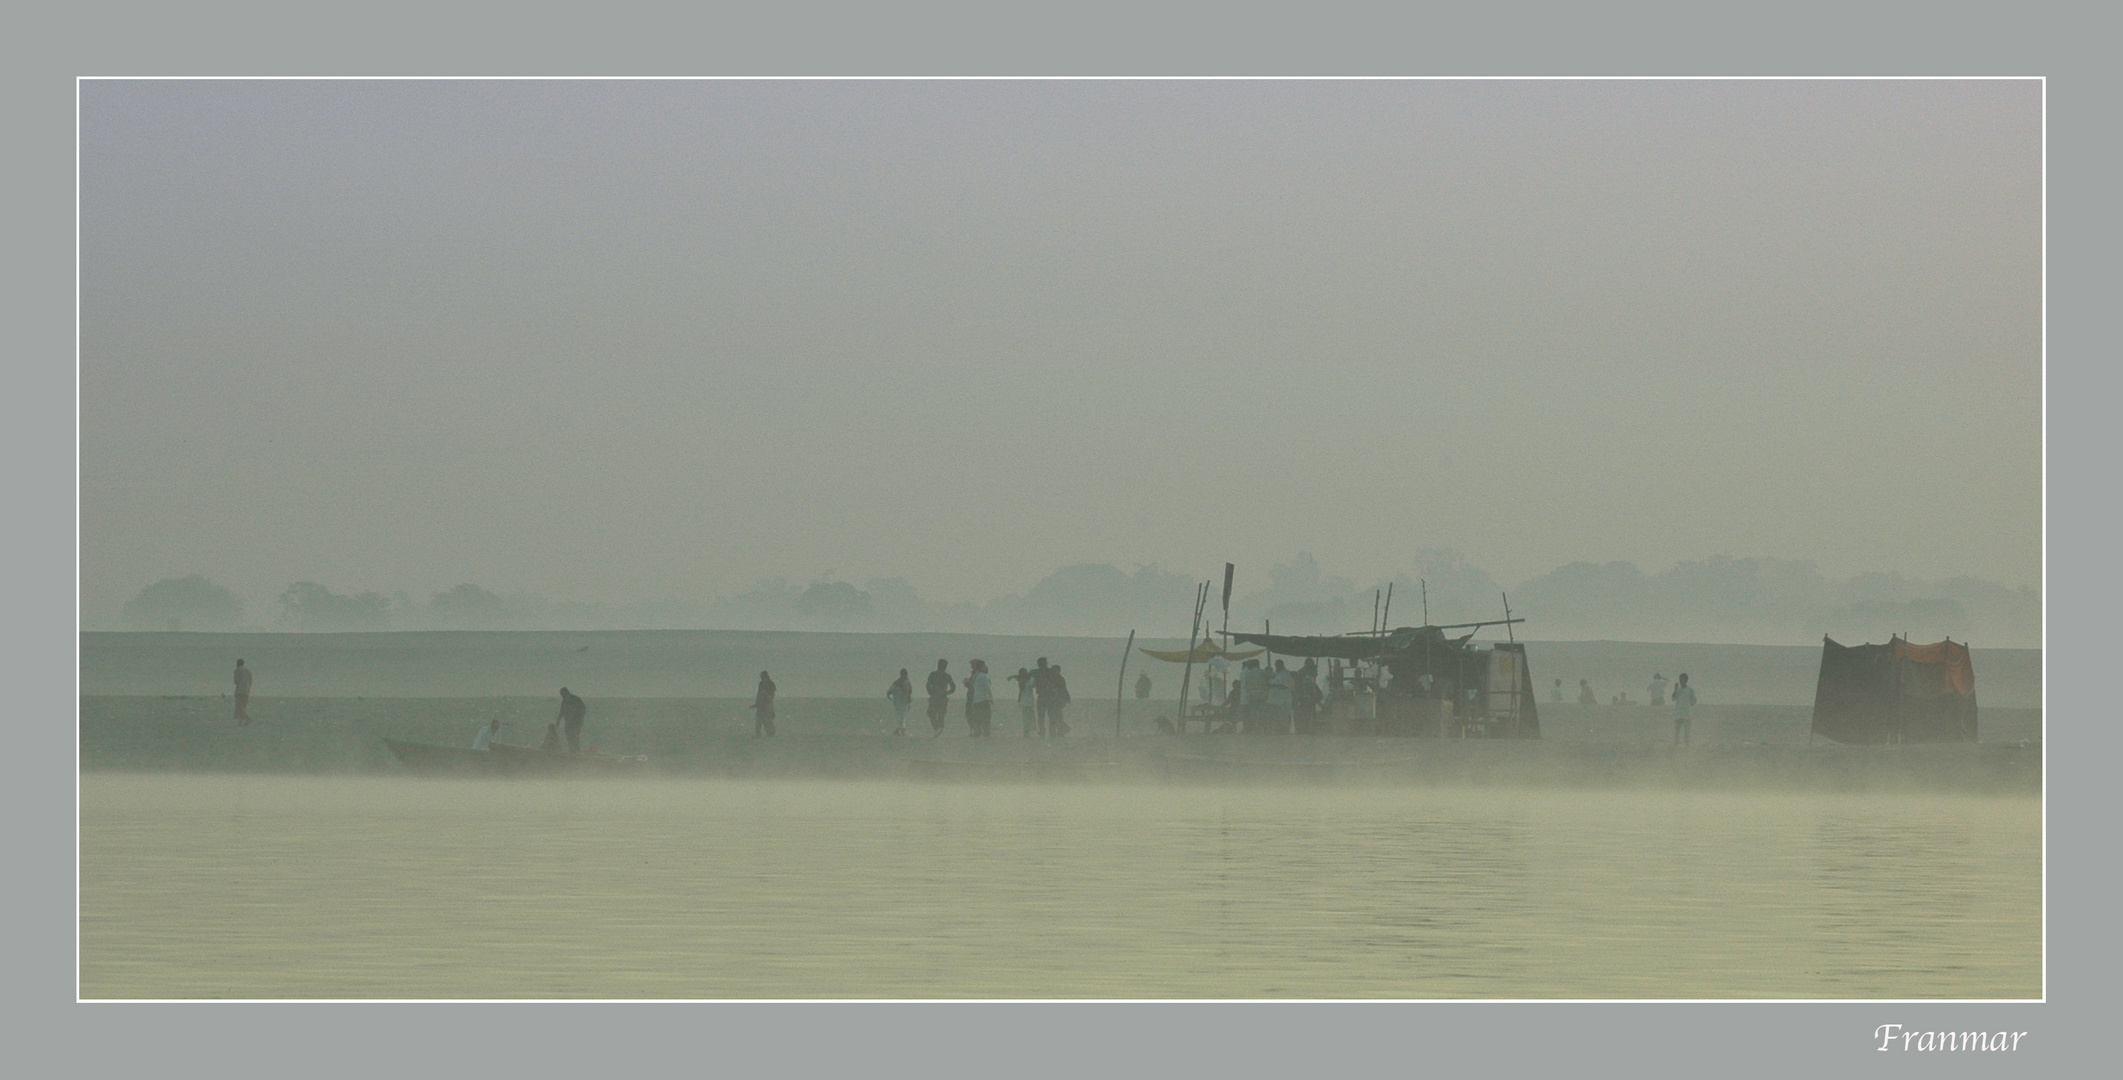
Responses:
[269,887]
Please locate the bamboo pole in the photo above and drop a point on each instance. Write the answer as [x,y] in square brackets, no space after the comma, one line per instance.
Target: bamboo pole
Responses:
[1225,645]
[1201,599]
[1120,692]
[1378,663]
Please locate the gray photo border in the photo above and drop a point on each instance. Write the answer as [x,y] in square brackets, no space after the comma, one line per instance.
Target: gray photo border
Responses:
[403,39]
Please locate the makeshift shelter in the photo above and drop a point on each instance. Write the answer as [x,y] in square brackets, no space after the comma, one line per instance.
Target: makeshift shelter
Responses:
[1439,685]
[1895,693]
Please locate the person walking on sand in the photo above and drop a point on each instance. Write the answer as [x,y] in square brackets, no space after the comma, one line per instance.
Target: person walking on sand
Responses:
[572,712]
[941,687]
[1042,696]
[243,695]
[1683,710]
[1056,726]
[901,695]
[1027,705]
[980,702]
[1655,694]
[763,708]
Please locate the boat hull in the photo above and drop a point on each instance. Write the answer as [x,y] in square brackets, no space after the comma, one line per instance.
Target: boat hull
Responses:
[506,759]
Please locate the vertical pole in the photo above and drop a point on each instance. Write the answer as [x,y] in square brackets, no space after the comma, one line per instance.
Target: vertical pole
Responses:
[1225,644]
[1895,733]
[1378,681]
[1375,595]
[1121,691]
[1229,570]
[1201,598]
[1513,638]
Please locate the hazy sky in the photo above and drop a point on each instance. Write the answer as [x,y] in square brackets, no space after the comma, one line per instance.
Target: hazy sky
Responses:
[620,341]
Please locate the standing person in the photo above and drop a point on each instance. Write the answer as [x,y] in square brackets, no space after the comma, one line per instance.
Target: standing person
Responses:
[1556,694]
[901,695]
[1056,726]
[1213,687]
[1307,702]
[1142,687]
[941,687]
[980,702]
[763,708]
[1252,693]
[1280,686]
[1655,694]
[1042,696]
[243,695]
[572,712]
[1585,694]
[1683,709]
[1027,705]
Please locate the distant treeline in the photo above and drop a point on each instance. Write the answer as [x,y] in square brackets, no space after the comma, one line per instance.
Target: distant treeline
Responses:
[1742,601]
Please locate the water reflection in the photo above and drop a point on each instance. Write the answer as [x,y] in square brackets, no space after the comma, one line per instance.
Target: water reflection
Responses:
[272,887]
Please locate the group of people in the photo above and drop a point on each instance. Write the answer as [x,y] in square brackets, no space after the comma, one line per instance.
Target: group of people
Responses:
[1282,701]
[1655,694]
[1278,702]
[1042,696]
[568,725]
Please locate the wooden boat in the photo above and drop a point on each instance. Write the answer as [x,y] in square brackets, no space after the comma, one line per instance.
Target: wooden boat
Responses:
[507,759]
[442,760]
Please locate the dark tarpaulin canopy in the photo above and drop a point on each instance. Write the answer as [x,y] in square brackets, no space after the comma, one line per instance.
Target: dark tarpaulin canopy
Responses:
[1895,693]
[1346,646]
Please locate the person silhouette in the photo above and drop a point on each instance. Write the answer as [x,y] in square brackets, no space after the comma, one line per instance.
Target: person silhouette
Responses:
[941,686]
[1683,710]
[1027,704]
[901,695]
[572,714]
[763,708]
[243,695]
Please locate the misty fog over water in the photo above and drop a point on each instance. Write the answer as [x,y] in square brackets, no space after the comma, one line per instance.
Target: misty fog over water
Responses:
[1725,600]
[710,663]
[281,887]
